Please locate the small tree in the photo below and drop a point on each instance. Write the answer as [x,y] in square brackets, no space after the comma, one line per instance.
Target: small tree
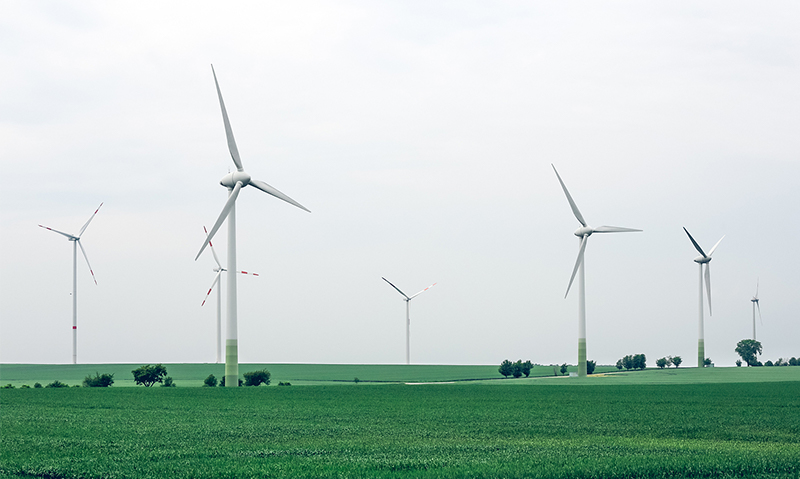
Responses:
[619,364]
[148,375]
[98,381]
[168,383]
[793,362]
[506,368]
[210,381]
[564,369]
[627,362]
[661,363]
[738,363]
[516,371]
[590,365]
[256,378]
[526,368]
[677,360]
[748,349]
[669,361]
[707,362]
[57,384]
[37,385]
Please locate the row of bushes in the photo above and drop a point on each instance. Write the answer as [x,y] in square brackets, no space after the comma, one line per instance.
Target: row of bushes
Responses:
[252,378]
[779,362]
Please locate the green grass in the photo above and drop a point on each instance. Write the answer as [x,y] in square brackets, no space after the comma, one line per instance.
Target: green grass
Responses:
[491,429]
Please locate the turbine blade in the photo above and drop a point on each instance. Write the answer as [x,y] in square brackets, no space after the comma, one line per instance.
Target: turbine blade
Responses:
[613,229]
[216,280]
[248,272]
[759,313]
[757,281]
[225,210]
[211,246]
[87,260]
[90,220]
[578,262]
[395,287]
[228,131]
[695,243]
[417,294]
[59,232]
[572,204]
[708,287]
[715,246]
[277,194]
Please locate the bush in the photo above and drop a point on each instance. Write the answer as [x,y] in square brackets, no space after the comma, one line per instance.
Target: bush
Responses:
[24,386]
[148,375]
[98,381]
[707,362]
[8,386]
[284,384]
[356,380]
[768,363]
[168,383]
[564,369]
[37,385]
[210,381]
[256,378]
[222,383]
[590,365]
[738,363]
[57,384]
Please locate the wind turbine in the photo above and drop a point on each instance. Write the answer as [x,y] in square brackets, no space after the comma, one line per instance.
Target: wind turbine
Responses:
[583,234]
[234,182]
[76,242]
[756,305]
[219,269]
[408,319]
[703,259]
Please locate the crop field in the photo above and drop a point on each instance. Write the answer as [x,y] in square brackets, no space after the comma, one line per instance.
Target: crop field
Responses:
[568,428]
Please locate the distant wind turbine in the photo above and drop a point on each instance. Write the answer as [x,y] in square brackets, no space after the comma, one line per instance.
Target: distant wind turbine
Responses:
[703,259]
[217,279]
[583,233]
[76,242]
[408,299]
[756,305]
[235,182]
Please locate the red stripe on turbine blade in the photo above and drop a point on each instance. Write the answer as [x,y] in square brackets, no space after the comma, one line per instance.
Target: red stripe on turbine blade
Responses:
[74,327]
[244,272]
[255,274]
[204,302]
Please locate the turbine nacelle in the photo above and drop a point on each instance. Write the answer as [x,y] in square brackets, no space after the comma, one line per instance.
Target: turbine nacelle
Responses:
[702,259]
[584,231]
[230,180]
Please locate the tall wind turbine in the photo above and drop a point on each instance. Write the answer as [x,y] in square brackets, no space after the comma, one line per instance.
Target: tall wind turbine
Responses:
[408,299]
[76,242]
[756,305]
[217,278]
[583,234]
[703,259]
[234,182]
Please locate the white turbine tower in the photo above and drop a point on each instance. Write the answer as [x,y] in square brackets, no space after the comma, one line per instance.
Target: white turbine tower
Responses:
[703,259]
[235,182]
[583,233]
[408,299]
[756,305]
[76,242]
[217,279]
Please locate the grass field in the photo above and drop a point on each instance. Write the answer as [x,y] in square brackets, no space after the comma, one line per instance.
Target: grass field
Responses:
[717,422]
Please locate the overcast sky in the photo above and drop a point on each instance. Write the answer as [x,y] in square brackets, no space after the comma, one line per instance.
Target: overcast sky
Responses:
[420,135]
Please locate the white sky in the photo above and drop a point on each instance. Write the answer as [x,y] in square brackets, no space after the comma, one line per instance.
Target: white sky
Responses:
[420,135]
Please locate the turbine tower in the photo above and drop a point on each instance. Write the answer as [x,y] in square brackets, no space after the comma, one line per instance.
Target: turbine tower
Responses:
[408,299]
[583,234]
[703,259]
[234,182]
[217,278]
[76,242]
[756,305]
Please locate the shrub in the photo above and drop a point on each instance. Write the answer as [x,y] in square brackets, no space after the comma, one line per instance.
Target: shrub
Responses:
[222,383]
[738,363]
[168,382]
[57,384]
[707,362]
[356,380]
[24,386]
[768,363]
[37,385]
[284,384]
[590,365]
[8,386]
[256,378]
[98,381]
[564,369]
[210,381]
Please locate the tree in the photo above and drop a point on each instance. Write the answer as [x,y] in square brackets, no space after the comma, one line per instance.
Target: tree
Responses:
[148,374]
[564,369]
[37,385]
[506,368]
[516,370]
[590,365]
[210,381]
[639,361]
[627,362]
[794,362]
[256,378]
[677,360]
[748,349]
[661,363]
[619,364]
[669,361]
[768,363]
[526,368]
[98,381]
[738,363]
[707,362]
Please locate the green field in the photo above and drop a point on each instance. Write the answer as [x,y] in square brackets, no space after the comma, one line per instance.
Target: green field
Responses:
[720,422]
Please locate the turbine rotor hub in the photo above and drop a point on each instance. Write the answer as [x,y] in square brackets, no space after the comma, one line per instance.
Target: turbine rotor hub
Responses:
[229,180]
[584,231]
[702,259]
